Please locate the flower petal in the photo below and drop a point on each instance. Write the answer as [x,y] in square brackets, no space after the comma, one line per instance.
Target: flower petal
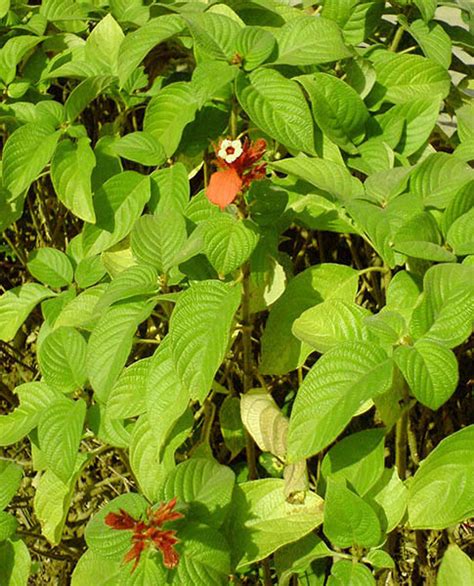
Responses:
[223,187]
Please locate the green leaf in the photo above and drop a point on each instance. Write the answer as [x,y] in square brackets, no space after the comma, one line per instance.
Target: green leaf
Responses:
[10,479]
[420,237]
[261,520]
[80,311]
[138,280]
[211,79]
[104,572]
[205,485]
[431,371]
[34,399]
[402,78]
[438,178]
[8,525]
[139,43]
[308,41]
[338,384]
[62,359]
[15,563]
[103,45]
[337,108]
[420,117]
[445,311]
[4,7]
[59,434]
[25,154]
[12,53]
[461,203]
[281,351]
[199,333]
[50,266]
[326,175]
[118,204]
[89,271]
[228,242]
[456,568]
[84,93]
[380,559]
[71,172]
[331,323]
[348,519]
[169,189]
[16,305]
[214,35]
[255,45]
[110,344]
[277,106]
[402,294]
[433,40]
[205,558]
[168,113]
[427,8]
[141,147]
[296,557]
[446,480]
[128,395]
[231,425]
[346,572]
[357,458]
[106,541]
[460,235]
[52,501]
[157,239]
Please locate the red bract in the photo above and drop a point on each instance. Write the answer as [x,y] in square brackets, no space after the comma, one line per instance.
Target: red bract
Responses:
[149,532]
[239,164]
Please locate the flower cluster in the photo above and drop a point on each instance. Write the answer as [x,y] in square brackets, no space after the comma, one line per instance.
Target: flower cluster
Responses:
[239,165]
[149,532]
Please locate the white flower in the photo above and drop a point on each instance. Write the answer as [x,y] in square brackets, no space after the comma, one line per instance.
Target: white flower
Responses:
[230,150]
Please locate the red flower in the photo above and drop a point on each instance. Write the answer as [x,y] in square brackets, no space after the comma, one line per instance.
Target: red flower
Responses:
[146,533]
[239,168]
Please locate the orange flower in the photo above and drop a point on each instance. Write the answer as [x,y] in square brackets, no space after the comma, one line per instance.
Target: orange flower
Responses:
[146,533]
[239,167]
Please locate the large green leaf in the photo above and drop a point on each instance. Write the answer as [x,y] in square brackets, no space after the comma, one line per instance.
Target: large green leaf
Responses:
[338,384]
[456,568]
[281,351]
[168,113]
[13,51]
[331,323]
[438,178]
[137,280]
[25,154]
[326,175]
[103,45]
[169,189]
[15,306]
[214,34]
[345,572]
[205,485]
[34,399]
[228,242]
[348,519]
[277,106]
[62,359]
[104,572]
[137,44]
[445,310]
[388,497]
[460,235]
[199,333]
[433,40]
[84,93]
[402,77]
[445,479]
[71,172]
[157,239]
[261,520]
[430,369]
[255,45]
[205,558]
[141,147]
[337,108]
[358,459]
[128,395]
[10,479]
[51,266]
[110,344]
[118,204]
[308,41]
[59,434]
[80,311]
[15,563]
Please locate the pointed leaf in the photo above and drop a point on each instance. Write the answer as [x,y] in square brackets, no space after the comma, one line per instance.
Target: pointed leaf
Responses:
[50,266]
[140,147]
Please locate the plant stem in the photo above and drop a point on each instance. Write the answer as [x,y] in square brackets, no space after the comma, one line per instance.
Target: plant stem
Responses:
[248,362]
[396,39]
[401,438]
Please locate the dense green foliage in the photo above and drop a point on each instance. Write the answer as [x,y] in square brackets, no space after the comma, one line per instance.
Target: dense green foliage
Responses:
[289,366]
